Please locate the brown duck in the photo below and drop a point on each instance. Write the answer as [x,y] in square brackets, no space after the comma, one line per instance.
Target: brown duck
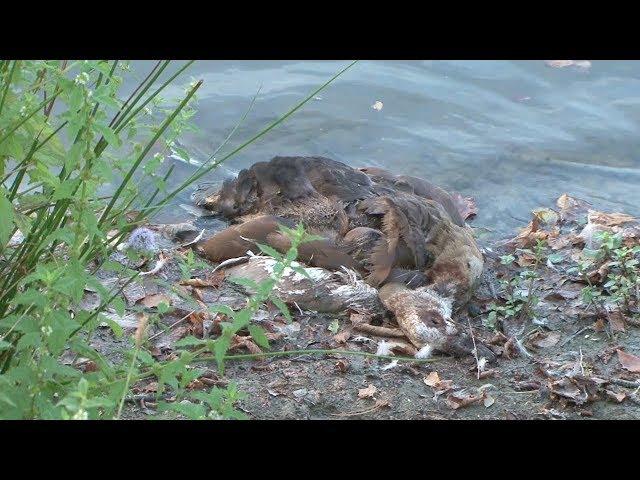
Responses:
[399,231]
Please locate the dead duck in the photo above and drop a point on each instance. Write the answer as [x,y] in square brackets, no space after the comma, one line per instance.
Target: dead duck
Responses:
[418,186]
[371,222]
[237,240]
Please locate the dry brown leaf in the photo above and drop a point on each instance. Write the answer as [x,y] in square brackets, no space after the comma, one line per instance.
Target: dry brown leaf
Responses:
[154,300]
[462,398]
[342,365]
[358,318]
[367,392]
[438,385]
[432,380]
[343,336]
[628,361]
[616,321]
[530,234]
[568,388]
[465,205]
[565,202]
[196,320]
[563,241]
[618,397]
[609,219]
[598,325]
[542,340]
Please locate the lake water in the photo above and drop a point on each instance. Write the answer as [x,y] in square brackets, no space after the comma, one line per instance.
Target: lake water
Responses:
[515,135]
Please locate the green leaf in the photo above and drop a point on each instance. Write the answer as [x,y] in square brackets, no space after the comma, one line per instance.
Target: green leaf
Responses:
[245,282]
[283,308]
[555,258]
[334,326]
[189,341]
[118,305]
[272,252]
[65,189]
[220,348]
[193,411]
[222,309]
[6,218]
[258,335]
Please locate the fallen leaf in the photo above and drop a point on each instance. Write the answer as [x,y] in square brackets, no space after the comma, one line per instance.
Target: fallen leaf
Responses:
[334,326]
[618,397]
[546,216]
[357,318]
[542,340]
[568,388]
[342,365]
[628,361]
[465,205]
[463,398]
[343,336]
[616,321]
[154,300]
[432,379]
[609,219]
[367,392]
[530,234]
[488,401]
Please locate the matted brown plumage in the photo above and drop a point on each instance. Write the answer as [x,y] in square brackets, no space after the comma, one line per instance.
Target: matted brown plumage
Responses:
[402,233]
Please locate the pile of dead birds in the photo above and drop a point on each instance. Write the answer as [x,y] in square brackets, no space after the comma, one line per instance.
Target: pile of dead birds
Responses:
[573,346]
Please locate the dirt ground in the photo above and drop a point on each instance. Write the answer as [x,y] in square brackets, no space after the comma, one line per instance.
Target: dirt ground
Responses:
[562,362]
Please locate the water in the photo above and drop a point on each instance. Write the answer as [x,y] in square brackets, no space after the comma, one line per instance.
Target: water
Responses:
[513,134]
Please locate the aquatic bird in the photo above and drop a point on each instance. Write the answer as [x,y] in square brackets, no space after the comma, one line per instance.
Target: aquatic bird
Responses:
[402,232]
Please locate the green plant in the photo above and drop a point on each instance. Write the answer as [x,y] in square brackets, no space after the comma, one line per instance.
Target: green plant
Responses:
[620,264]
[519,291]
[65,133]
[188,263]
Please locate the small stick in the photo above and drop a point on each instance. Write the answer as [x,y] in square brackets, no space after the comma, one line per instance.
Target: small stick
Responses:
[172,325]
[475,349]
[575,335]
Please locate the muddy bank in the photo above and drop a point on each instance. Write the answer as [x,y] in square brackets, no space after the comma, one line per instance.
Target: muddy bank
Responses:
[561,357]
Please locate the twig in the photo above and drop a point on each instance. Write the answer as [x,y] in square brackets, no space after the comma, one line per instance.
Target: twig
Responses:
[475,350]
[575,335]
[368,410]
[155,335]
